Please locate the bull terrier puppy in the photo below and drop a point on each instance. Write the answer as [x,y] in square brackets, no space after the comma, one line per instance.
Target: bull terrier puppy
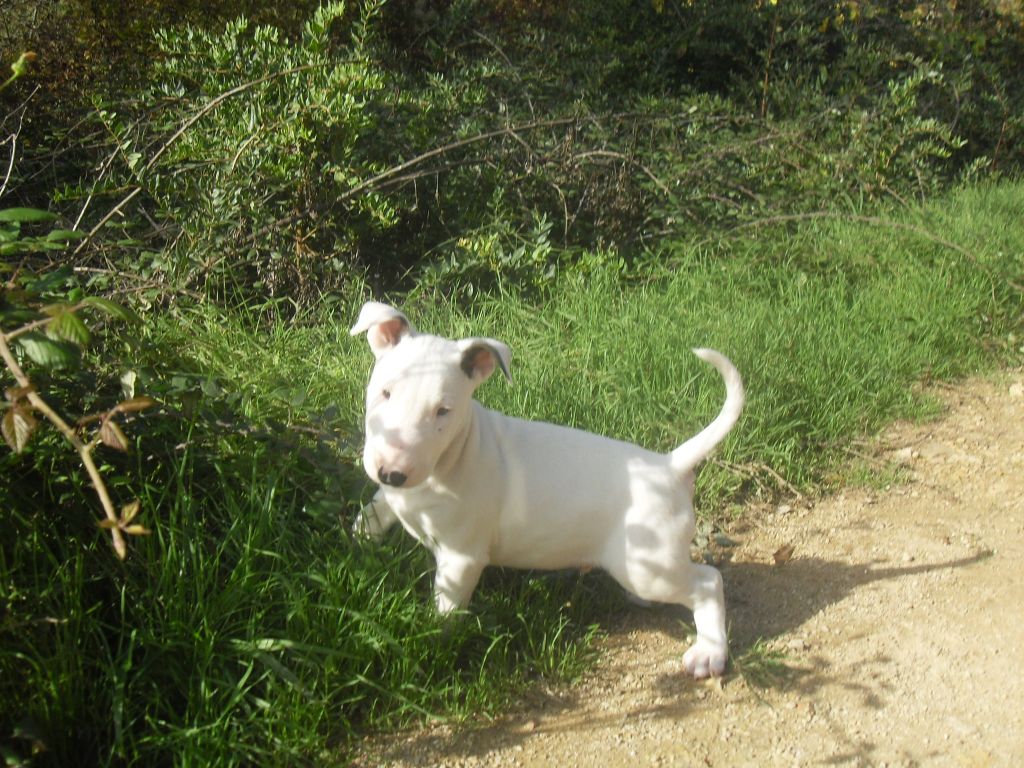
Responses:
[480,488]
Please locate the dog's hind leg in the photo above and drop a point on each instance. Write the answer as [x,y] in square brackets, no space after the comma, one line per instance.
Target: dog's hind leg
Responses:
[699,588]
[706,598]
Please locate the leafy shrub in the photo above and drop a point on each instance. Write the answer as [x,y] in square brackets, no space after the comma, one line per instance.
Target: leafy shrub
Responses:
[847,53]
[257,140]
[280,167]
[41,324]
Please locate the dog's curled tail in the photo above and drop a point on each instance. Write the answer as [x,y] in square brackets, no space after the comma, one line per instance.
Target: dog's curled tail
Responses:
[687,456]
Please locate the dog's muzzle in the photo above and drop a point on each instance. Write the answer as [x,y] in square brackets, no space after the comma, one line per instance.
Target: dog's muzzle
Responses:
[397,479]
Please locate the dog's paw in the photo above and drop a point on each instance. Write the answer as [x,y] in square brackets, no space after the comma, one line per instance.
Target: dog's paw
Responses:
[368,523]
[705,659]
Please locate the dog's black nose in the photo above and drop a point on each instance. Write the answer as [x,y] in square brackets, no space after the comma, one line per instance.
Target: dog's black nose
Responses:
[391,478]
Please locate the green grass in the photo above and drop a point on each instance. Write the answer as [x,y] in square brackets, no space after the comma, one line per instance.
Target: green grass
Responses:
[761,665]
[250,629]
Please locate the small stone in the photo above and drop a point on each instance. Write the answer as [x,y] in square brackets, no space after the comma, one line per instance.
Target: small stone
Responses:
[905,455]
[783,509]
[1017,390]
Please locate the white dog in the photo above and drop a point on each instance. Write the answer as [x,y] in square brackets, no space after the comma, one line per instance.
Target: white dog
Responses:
[480,488]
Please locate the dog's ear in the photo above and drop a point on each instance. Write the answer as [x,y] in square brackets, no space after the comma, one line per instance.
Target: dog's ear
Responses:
[384,326]
[481,356]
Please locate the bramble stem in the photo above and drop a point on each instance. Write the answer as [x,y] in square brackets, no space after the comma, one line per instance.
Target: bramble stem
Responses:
[84,449]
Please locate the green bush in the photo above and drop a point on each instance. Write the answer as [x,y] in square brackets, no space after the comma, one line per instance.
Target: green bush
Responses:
[257,143]
[274,166]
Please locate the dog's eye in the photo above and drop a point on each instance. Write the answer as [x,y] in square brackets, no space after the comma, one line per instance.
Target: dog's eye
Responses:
[442,411]
[386,394]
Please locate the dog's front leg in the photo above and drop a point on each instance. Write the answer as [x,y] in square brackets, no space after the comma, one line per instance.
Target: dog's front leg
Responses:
[457,577]
[375,518]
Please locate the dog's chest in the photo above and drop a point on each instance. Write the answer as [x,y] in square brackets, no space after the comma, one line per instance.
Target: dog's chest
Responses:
[428,515]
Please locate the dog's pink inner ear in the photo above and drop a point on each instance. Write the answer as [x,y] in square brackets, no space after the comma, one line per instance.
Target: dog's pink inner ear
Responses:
[387,334]
[479,362]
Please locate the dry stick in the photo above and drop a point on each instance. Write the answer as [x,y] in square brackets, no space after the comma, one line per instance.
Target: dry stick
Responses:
[632,161]
[84,449]
[13,137]
[752,470]
[104,167]
[512,69]
[396,169]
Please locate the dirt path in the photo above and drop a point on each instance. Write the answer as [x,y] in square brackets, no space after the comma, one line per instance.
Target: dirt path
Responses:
[901,613]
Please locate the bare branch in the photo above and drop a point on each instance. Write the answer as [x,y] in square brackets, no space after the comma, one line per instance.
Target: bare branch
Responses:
[84,449]
[397,169]
[604,153]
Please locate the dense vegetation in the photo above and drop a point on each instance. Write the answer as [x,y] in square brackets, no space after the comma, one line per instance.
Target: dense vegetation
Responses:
[193,204]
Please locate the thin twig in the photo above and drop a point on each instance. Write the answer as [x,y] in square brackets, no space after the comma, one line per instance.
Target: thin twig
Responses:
[105,166]
[110,214]
[84,449]
[511,67]
[13,138]
[397,169]
[214,103]
[752,470]
[632,161]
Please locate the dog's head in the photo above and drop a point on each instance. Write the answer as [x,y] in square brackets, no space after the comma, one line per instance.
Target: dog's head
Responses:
[420,394]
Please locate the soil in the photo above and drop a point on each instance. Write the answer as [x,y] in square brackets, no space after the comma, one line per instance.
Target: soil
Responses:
[898,611]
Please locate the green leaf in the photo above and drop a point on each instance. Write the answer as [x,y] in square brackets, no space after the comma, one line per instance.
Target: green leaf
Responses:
[112,308]
[64,234]
[48,352]
[68,326]
[49,281]
[26,214]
